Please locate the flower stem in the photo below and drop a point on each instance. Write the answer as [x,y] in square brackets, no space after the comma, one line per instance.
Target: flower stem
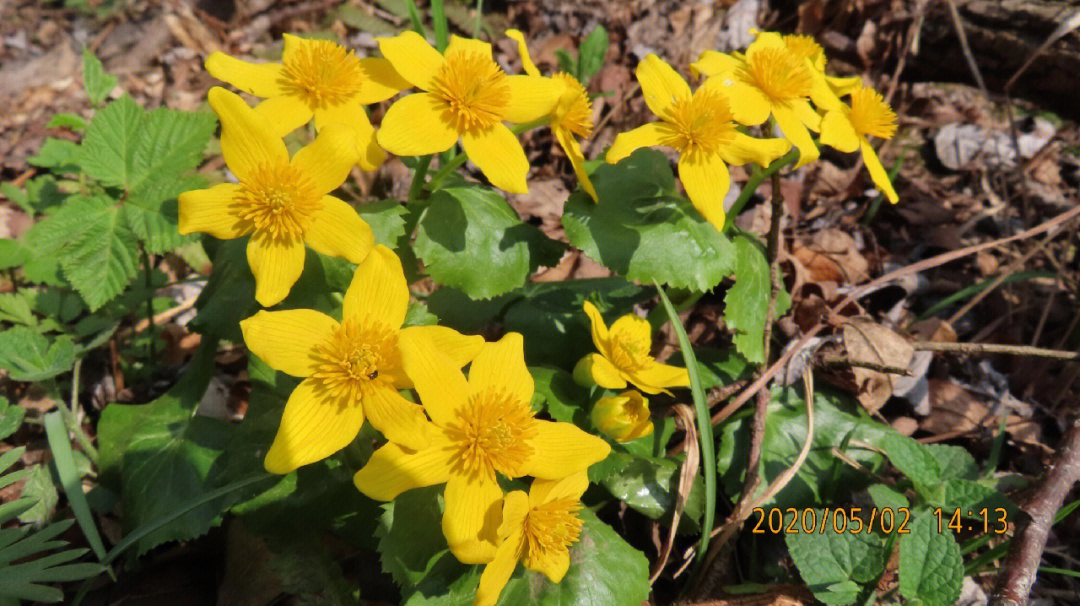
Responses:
[753,183]
[417,184]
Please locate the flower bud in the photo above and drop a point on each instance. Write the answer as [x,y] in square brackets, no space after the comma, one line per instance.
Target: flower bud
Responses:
[623,417]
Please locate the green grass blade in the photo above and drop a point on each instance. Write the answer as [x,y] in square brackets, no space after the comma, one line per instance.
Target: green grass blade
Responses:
[438,21]
[60,446]
[704,422]
[414,18]
[1061,571]
[974,289]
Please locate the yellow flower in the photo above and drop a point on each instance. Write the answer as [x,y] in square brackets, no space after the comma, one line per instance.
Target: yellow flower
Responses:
[467,96]
[351,369]
[282,203]
[807,48]
[571,116]
[623,417]
[769,79]
[846,128]
[624,356]
[316,78]
[699,126]
[482,427]
[537,530]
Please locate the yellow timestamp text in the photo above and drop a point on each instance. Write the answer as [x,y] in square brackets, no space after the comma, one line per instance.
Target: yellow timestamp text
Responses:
[852,520]
[988,520]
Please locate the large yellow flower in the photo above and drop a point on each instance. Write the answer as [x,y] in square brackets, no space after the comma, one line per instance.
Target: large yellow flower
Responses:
[769,79]
[846,128]
[699,126]
[537,530]
[467,96]
[316,78]
[483,426]
[351,368]
[571,116]
[624,356]
[281,203]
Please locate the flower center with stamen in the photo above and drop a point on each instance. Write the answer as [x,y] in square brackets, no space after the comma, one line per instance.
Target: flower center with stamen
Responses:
[492,434]
[871,115]
[355,358]
[551,528]
[574,110]
[323,73]
[474,89]
[279,199]
[778,73]
[703,123]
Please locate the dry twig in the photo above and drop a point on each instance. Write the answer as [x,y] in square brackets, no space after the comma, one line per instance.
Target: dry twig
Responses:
[995,348]
[684,415]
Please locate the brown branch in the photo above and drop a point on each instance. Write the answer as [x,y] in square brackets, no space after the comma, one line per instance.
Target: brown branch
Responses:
[841,362]
[1022,564]
[995,348]
[719,394]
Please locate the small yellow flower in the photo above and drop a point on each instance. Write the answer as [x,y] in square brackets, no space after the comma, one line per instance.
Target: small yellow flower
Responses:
[699,126]
[482,427]
[282,203]
[467,96]
[537,530]
[769,79]
[807,48]
[624,356]
[623,417]
[351,369]
[316,78]
[571,116]
[846,127]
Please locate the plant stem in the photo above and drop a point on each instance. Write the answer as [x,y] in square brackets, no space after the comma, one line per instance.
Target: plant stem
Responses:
[417,184]
[752,184]
[72,421]
[149,279]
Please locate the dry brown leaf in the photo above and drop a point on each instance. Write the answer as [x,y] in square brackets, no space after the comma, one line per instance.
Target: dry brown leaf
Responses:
[953,408]
[872,343]
[933,329]
[831,256]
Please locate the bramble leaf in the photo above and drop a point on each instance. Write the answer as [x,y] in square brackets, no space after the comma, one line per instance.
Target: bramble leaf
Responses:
[151,212]
[11,418]
[29,356]
[97,81]
[109,145]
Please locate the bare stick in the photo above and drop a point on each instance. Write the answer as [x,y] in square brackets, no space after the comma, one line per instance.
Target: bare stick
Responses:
[1022,564]
[995,348]
[970,58]
[685,418]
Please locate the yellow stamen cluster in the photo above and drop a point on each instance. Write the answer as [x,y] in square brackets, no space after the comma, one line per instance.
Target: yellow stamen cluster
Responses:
[279,200]
[778,73]
[871,115]
[493,433]
[574,111]
[703,122]
[474,89]
[323,74]
[355,357]
[551,528]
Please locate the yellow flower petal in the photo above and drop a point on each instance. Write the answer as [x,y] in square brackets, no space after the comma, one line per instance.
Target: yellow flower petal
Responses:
[821,93]
[577,160]
[713,63]
[706,179]
[468,45]
[288,340]
[656,378]
[571,487]
[749,106]
[648,135]
[498,572]
[806,113]
[314,426]
[382,81]
[328,159]
[554,566]
[276,265]
[441,385]
[743,149]
[461,349]
[284,113]
[337,231]
[293,45]
[401,421]
[378,290]
[247,140]
[877,171]
[561,449]
[392,470]
[353,114]
[838,132]
[766,40]
[600,334]
[501,365]
[472,516]
[796,132]
[660,84]
[498,154]
[259,79]
[531,98]
[634,331]
[414,126]
[413,58]
[602,371]
[844,86]
[208,211]
[523,51]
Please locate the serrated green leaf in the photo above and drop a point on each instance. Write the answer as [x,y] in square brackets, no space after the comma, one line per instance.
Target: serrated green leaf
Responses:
[97,81]
[15,308]
[955,462]
[386,218]
[67,120]
[169,143]
[643,230]
[151,212]
[108,148]
[931,568]
[885,497]
[468,227]
[11,418]
[591,54]
[39,486]
[746,303]
[12,254]
[564,400]
[970,497]
[60,155]
[833,563]
[97,250]
[913,459]
[418,315]
[29,356]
